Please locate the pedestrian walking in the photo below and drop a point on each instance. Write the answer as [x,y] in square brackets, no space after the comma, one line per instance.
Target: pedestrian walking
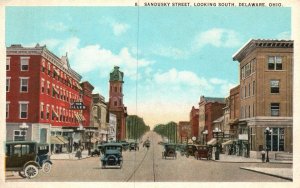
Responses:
[263,155]
[78,154]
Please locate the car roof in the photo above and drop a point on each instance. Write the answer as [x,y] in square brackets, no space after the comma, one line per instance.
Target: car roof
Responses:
[112,144]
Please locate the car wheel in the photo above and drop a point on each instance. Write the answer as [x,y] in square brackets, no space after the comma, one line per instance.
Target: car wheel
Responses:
[47,167]
[22,173]
[31,171]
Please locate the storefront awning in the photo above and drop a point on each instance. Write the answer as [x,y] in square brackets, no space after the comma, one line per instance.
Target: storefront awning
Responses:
[228,142]
[61,138]
[212,142]
[55,140]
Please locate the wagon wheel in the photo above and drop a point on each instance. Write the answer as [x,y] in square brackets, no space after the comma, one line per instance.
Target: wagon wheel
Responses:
[31,171]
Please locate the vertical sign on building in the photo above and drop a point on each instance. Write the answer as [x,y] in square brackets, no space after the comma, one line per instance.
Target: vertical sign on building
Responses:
[112,127]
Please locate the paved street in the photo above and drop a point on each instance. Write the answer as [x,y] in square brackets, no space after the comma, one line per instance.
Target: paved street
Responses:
[148,166]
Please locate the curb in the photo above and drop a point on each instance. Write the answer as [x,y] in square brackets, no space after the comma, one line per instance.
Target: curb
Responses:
[220,161]
[278,176]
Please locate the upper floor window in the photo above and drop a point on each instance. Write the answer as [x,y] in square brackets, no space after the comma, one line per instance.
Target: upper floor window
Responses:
[43,85]
[275,109]
[43,66]
[24,85]
[48,87]
[274,86]
[116,89]
[42,111]
[7,110]
[7,84]
[275,63]
[49,69]
[23,110]
[24,63]
[253,87]
[7,63]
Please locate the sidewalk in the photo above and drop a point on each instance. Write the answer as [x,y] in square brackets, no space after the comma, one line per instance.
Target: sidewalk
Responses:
[69,156]
[239,159]
[285,173]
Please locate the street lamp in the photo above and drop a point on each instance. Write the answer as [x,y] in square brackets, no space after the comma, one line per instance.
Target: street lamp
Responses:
[268,132]
[205,133]
[216,134]
[90,134]
[23,128]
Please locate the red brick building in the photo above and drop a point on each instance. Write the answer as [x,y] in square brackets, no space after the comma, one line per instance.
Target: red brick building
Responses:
[184,131]
[40,88]
[116,105]
[234,106]
[210,109]
[194,121]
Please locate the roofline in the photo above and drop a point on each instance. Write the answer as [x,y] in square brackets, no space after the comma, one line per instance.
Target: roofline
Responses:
[252,44]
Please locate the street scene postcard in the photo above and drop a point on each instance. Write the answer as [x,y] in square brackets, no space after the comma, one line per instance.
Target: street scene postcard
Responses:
[144,93]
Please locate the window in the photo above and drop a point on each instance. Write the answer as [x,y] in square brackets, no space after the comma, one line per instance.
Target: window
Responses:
[43,66]
[249,89]
[253,114]
[115,103]
[47,111]
[23,110]
[42,111]
[43,85]
[274,86]
[48,88]
[245,91]
[49,69]
[24,85]
[7,110]
[275,109]
[243,72]
[7,63]
[120,89]
[24,63]
[275,63]
[7,84]
[19,135]
[253,87]
[276,139]
[247,69]
[116,89]
[249,110]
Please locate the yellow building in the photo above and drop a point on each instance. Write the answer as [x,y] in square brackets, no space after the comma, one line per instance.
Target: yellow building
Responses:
[266,96]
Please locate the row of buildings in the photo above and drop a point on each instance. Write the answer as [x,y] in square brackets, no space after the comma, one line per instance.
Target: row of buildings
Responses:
[262,99]
[47,102]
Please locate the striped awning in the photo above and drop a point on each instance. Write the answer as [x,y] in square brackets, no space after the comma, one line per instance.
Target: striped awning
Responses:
[55,140]
[63,139]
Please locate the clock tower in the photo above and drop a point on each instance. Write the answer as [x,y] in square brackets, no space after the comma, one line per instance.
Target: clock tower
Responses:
[116,105]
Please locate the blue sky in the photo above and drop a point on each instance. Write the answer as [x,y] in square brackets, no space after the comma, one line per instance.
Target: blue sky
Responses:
[183,52]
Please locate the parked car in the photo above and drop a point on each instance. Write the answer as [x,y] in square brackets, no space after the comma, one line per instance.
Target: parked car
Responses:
[27,157]
[112,155]
[125,145]
[190,150]
[169,151]
[133,146]
[203,151]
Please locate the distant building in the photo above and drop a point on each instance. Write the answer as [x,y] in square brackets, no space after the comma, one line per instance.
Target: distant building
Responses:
[266,93]
[194,121]
[116,105]
[184,131]
[210,109]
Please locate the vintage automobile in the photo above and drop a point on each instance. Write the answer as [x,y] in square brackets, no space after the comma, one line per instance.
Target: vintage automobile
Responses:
[203,151]
[133,146]
[190,150]
[147,144]
[27,157]
[112,155]
[169,151]
[125,145]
